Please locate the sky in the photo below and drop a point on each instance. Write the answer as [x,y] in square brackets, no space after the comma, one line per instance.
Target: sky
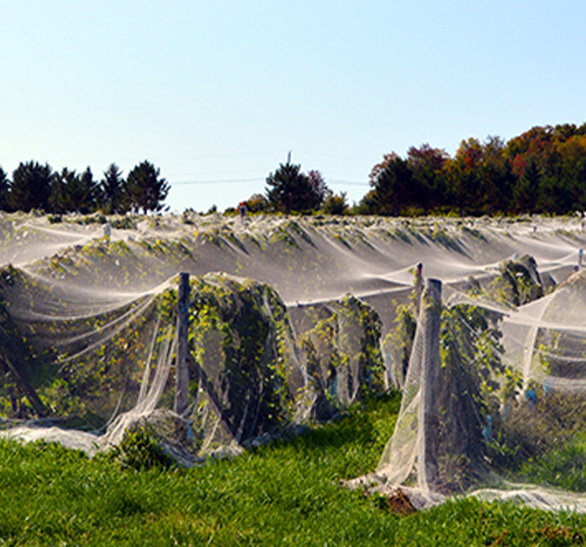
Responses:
[216,94]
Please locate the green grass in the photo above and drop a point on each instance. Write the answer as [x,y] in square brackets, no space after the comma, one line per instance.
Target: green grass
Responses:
[563,467]
[281,494]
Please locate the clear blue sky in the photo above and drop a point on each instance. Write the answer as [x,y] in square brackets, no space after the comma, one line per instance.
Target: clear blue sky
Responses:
[216,93]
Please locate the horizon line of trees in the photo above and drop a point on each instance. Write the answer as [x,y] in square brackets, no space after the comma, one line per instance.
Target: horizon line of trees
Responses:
[34,186]
[540,171]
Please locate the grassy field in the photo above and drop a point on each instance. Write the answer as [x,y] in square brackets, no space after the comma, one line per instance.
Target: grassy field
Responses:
[282,494]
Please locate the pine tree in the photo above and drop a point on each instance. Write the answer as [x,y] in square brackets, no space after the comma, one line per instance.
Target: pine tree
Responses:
[113,197]
[4,190]
[31,186]
[146,189]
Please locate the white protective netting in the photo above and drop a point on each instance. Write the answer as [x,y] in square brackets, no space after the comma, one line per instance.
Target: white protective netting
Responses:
[88,339]
[497,409]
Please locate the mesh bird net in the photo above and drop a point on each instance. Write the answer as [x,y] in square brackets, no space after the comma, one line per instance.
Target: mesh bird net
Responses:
[493,401]
[289,321]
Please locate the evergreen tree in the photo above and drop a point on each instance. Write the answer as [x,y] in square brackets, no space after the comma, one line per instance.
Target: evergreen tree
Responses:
[31,186]
[525,191]
[146,189]
[553,197]
[4,190]
[84,193]
[113,197]
[60,201]
[394,189]
[289,190]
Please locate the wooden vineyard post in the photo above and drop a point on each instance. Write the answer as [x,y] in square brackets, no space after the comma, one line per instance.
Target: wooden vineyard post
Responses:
[185,359]
[182,363]
[430,388]
[418,288]
[6,366]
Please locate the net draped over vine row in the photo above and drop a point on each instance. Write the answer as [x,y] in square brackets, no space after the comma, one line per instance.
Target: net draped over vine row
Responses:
[504,415]
[291,321]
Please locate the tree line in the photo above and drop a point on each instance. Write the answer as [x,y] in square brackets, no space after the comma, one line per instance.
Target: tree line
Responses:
[540,171]
[34,186]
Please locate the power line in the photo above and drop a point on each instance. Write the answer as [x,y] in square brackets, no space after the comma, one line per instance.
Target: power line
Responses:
[243,181]
[215,181]
[348,183]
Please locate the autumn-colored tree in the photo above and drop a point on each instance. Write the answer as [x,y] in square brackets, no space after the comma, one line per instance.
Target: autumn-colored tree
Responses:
[257,203]
[335,204]
[319,187]
[535,145]
[495,177]
[572,170]
[463,175]
[555,157]
[427,165]
[542,170]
